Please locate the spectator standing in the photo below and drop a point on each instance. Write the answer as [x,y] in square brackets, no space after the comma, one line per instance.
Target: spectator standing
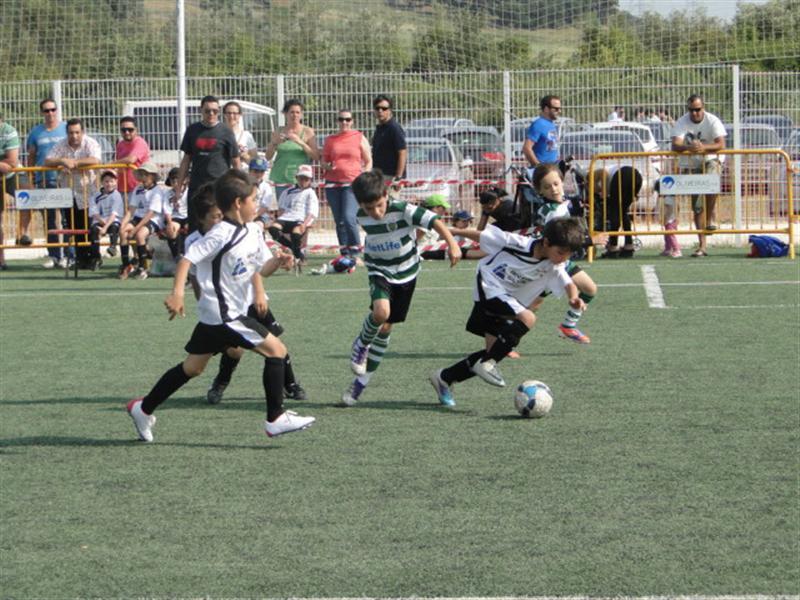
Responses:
[41,140]
[389,153]
[9,158]
[71,155]
[541,139]
[700,134]
[133,150]
[617,115]
[209,150]
[248,149]
[292,145]
[345,155]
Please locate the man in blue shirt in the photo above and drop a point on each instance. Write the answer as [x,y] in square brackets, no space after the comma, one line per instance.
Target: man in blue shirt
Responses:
[541,140]
[41,140]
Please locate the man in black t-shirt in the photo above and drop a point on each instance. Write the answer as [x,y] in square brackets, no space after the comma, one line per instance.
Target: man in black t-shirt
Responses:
[389,141]
[210,147]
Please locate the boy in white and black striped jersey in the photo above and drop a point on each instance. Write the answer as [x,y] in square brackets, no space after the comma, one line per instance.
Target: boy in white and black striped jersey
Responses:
[208,214]
[229,259]
[392,262]
[105,210]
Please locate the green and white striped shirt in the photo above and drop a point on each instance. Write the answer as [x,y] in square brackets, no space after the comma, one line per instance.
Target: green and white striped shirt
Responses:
[390,249]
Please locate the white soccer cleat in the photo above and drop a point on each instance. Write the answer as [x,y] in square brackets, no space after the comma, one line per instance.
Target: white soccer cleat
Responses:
[358,357]
[488,371]
[352,393]
[144,423]
[289,421]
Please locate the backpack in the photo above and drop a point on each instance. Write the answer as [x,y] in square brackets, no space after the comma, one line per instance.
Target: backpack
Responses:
[765,246]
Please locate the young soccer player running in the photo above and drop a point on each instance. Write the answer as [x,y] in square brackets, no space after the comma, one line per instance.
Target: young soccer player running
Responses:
[226,258]
[392,261]
[516,270]
[548,183]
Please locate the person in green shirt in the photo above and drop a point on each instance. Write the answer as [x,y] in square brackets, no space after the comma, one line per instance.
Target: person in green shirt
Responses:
[292,145]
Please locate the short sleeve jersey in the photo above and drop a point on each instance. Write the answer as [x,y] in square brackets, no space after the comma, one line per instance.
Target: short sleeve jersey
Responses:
[265,197]
[140,149]
[388,140]
[553,210]
[42,140]
[544,135]
[9,140]
[226,258]
[105,205]
[706,131]
[212,150]
[390,247]
[510,268]
[296,204]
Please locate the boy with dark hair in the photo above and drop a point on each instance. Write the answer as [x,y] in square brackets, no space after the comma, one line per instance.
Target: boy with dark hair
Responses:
[515,272]
[392,262]
[227,258]
[105,209]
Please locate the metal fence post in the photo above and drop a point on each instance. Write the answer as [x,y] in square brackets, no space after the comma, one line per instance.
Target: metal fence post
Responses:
[737,159]
[507,127]
[280,84]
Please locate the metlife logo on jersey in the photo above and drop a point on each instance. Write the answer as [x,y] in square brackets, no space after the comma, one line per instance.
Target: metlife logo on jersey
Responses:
[677,185]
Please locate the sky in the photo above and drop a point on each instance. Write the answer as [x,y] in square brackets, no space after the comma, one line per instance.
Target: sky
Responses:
[724,9]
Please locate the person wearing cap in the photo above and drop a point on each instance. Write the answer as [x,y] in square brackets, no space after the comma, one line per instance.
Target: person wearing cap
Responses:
[147,210]
[462,219]
[132,150]
[265,198]
[106,208]
[298,208]
[72,156]
[436,203]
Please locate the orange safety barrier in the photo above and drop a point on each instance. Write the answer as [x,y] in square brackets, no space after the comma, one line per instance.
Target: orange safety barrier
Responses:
[651,192]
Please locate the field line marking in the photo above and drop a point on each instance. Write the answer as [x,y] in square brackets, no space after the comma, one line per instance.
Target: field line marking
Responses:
[652,287]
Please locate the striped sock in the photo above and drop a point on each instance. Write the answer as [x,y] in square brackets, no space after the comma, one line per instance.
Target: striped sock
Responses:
[377,350]
[573,316]
[368,331]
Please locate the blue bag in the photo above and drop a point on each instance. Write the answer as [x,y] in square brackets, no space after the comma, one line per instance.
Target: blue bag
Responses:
[765,246]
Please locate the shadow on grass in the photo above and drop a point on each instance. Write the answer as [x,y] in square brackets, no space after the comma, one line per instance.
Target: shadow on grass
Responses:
[62,441]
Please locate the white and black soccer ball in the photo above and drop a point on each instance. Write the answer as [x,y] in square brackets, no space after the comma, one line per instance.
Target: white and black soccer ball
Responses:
[533,398]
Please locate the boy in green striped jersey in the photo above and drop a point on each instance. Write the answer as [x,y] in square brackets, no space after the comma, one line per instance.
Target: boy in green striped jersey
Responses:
[392,261]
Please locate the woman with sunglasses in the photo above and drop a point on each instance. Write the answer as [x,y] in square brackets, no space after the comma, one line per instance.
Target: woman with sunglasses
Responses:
[292,145]
[345,155]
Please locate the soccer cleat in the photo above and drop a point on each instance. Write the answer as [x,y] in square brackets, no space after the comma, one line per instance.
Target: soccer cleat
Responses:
[295,392]
[111,250]
[574,334]
[65,263]
[124,271]
[286,423]
[144,423]
[442,389]
[488,371]
[49,262]
[352,393]
[358,357]
[214,394]
[140,274]
[95,264]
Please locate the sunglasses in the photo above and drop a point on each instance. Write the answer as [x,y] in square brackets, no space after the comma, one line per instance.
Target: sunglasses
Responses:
[696,109]
[211,111]
[49,110]
[383,108]
[345,119]
[127,129]
[556,108]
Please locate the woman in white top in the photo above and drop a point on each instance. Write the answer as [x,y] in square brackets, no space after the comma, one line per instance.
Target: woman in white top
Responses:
[248,149]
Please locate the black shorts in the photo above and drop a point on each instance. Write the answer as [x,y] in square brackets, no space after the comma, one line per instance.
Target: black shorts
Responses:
[10,188]
[398,295]
[489,316]
[151,227]
[242,332]
[269,321]
[289,225]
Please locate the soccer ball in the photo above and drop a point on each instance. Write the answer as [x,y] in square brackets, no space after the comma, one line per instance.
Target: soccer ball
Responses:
[533,399]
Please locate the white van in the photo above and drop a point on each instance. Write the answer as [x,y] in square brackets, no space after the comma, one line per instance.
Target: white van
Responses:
[157,121]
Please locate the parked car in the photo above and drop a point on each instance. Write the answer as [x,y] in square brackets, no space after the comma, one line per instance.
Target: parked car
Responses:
[436,158]
[482,145]
[759,172]
[783,125]
[420,128]
[157,122]
[582,146]
[661,132]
